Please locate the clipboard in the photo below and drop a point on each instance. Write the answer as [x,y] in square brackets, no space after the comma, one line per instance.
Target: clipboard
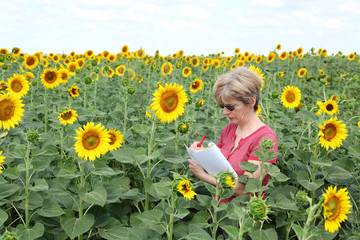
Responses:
[211,159]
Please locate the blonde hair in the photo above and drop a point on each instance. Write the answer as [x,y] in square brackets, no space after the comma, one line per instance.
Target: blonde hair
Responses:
[241,84]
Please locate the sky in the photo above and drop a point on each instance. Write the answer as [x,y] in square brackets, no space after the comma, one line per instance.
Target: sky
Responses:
[198,27]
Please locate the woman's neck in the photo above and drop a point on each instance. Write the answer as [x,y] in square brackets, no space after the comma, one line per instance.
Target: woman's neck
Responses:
[250,126]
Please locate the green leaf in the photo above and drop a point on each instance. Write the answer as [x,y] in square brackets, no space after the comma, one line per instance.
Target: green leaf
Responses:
[152,219]
[8,189]
[301,155]
[201,219]
[283,202]
[306,182]
[339,176]
[248,167]
[204,200]
[40,185]
[68,172]
[253,185]
[140,129]
[322,161]
[319,233]
[274,172]
[232,231]
[30,233]
[114,231]
[194,233]
[50,209]
[97,196]
[268,234]
[299,231]
[12,173]
[76,226]
[161,189]
[355,151]
[3,217]
[101,169]
[124,155]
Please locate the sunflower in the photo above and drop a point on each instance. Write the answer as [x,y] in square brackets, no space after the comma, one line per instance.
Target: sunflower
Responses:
[330,107]
[107,71]
[11,111]
[68,117]
[64,74]
[1,161]
[50,78]
[18,85]
[205,68]
[120,70]
[237,50]
[169,102]
[302,72]
[258,59]
[270,57]
[185,189]
[196,85]
[124,49]
[278,47]
[72,66]
[147,114]
[351,56]
[336,207]
[359,123]
[116,139]
[30,62]
[291,97]
[74,91]
[320,107]
[334,98]
[56,58]
[80,62]
[111,58]
[283,55]
[166,68]
[29,75]
[92,141]
[299,51]
[16,51]
[332,133]
[3,86]
[89,53]
[186,71]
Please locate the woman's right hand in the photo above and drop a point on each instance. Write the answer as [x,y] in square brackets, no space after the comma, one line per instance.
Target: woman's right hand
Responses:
[194,146]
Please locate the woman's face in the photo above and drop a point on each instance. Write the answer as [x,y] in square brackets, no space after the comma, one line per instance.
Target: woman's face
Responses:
[240,113]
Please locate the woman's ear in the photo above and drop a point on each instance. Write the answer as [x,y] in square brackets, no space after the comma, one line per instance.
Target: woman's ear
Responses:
[253,101]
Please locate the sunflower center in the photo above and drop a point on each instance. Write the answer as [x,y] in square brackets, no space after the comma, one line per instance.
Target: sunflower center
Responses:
[67,115]
[290,97]
[7,110]
[329,107]
[90,140]
[16,86]
[195,85]
[184,187]
[50,77]
[30,61]
[112,138]
[333,207]
[166,68]
[169,101]
[329,132]
[74,91]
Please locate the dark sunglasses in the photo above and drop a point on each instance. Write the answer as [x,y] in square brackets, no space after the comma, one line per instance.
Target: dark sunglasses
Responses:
[228,107]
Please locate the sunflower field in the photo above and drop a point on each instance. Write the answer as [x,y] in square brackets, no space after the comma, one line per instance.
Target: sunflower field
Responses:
[92,146]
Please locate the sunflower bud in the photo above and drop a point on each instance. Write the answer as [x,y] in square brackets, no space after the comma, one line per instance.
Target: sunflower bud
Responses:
[258,209]
[275,94]
[126,81]
[227,180]
[94,62]
[267,143]
[355,78]
[183,127]
[2,58]
[77,80]
[301,197]
[21,59]
[4,67]
[88,80]
[9,235]
[32,136]
[106,68]
[131,90]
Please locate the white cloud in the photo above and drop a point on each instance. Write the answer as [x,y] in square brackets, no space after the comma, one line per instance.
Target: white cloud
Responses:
[269,3]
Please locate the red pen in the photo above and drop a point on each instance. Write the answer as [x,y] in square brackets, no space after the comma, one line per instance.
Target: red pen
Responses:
[199,144]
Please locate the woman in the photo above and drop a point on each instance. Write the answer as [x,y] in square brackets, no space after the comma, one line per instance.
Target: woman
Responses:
[237,93]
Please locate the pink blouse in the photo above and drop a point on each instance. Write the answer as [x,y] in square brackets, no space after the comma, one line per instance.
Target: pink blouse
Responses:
[246,147]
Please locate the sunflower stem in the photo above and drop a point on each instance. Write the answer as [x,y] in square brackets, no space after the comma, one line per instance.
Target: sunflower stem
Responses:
[125,111]
[46,111]
[27,183]
[150,145]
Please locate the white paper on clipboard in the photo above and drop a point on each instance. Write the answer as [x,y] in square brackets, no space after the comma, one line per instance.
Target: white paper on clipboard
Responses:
[211,159]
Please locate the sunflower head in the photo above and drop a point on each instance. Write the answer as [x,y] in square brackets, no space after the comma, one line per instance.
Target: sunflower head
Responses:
[227,180]
[302,72]
[18,85]
[51,78]
[258,209]
[11,111]
[74,91]
[67,117]
[331,133]
[196,85]
[183,127]
[183,187]
[92,141]
[116,139]
[336,206]
[291,97]
[330,107]
[168,102]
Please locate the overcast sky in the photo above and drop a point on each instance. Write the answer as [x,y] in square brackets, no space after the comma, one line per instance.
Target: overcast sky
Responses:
[195,26]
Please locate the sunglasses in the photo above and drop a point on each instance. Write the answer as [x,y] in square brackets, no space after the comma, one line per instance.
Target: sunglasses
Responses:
[229,107]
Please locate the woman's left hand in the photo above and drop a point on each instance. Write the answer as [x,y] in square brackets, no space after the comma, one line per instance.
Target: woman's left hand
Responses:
[197,170]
